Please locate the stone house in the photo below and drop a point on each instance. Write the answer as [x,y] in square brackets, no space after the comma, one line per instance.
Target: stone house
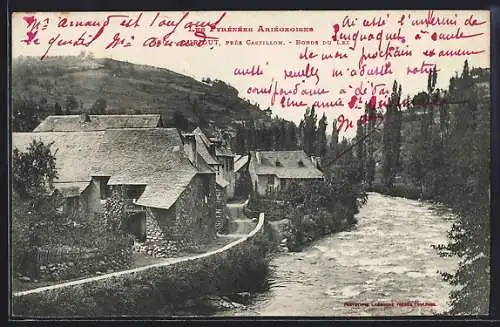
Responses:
[155,176]
[243,184]
[169,200]
[80,193]
[271,171]
[226,158]
[86,122]
[202,154]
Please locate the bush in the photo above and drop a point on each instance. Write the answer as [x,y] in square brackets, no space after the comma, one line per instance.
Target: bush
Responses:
[158,290]
[399,190]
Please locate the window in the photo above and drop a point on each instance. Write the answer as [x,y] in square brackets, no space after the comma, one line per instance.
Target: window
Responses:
[278,164]
[270,189]
[270,180]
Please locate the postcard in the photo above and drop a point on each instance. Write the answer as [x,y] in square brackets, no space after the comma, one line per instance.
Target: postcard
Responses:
[236,163]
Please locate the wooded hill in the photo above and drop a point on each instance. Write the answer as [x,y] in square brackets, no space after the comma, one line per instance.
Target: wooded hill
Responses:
[71,84]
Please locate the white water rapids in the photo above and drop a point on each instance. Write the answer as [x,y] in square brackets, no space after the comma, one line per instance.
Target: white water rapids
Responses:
[373,270]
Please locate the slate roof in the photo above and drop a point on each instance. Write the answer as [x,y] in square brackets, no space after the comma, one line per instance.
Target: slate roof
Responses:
[142,156]
[150,157]
[239,162]
[198,131]
[135,154]
[221,181]
[288,164]
[71,123]
[74,153]
[166,188]
[222,151]
[202,147]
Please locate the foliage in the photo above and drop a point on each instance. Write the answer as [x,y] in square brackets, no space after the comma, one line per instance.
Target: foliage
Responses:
[158,290]
[180,121]
[34,170]
[392,137]
[123,85]
[33,173]
[309,131]
[57,109]
[98,107]
[27,113]
[315,208]
[71,104]
[446,158]
[277,136]
[321,143]
[243,185]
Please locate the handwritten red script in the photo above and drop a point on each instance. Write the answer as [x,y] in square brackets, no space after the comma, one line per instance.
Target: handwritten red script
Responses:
[339,62]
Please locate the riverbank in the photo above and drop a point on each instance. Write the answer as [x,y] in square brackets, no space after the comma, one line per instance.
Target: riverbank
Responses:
[386,258]
[155,289]
[399,190]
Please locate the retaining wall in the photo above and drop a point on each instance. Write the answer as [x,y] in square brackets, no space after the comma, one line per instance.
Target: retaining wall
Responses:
[144,290]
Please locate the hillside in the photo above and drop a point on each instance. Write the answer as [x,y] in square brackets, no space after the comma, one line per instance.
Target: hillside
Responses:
[125,88]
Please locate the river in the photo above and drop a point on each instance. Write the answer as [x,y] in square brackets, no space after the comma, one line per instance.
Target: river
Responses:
[385,261]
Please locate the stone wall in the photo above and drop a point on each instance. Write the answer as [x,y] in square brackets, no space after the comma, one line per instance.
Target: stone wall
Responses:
[195,210]
[220,210]
[157,244]
[188,223]
[62,263]
[85,265]
[149,289]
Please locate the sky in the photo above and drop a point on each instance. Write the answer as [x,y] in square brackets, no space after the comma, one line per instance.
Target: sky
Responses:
[278,65]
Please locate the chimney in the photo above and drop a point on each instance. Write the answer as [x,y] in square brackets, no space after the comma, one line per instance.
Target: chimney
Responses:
[257,156]
[84,117]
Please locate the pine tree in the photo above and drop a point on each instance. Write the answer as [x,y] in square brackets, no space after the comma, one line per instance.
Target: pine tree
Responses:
[392,137]
[334,141]
[309,131]
[321,142]
[71,105]
[57,109]
[251,136]
[291,140]
[360,152]
[370,148]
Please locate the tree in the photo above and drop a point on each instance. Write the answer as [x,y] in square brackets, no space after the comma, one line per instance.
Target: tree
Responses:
[25,115]
[467,191]
[281,136]
[180,121]
[370,155]
[239,141]
[71,105]
[33,173]
[360,152]
[251,136]
[291,139]
[321,137]
[57,109]
[309,130]
[392,137]
[99,107]
[334,141]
